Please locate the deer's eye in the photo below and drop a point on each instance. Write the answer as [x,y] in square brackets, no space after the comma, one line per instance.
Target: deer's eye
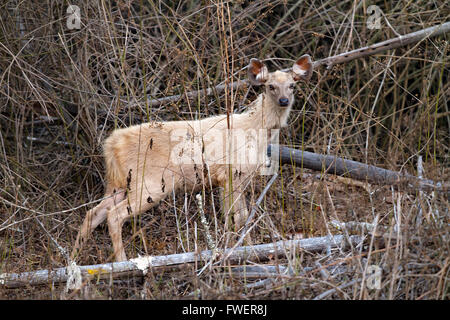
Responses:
[271,87]
[292,86]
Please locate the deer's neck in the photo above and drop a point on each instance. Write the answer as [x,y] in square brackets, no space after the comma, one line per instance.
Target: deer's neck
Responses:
[262,113]
[265,114]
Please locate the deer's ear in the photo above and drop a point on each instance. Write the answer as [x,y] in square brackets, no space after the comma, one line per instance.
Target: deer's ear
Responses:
[257,72]
[302,68]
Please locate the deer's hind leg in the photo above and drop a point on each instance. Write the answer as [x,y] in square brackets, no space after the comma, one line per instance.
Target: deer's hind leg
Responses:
[131,206]
[94,217]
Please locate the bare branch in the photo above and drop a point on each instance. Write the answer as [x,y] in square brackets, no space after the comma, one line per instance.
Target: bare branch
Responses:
[329,62]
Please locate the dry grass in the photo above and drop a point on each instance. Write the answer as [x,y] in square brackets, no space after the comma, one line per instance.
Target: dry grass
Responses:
[62,91]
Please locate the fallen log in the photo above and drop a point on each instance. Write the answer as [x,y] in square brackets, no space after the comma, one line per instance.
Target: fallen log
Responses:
[142,264]
[356,170]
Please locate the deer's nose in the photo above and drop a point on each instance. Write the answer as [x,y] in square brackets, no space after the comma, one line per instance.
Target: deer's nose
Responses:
[283,102]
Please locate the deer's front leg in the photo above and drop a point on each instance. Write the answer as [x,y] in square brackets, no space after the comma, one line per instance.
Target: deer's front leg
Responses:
[234,204]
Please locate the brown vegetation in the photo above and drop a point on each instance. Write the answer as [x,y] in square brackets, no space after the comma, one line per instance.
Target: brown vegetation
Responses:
[63,91]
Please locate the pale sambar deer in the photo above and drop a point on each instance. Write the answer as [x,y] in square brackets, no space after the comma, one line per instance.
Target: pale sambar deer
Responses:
[140,166]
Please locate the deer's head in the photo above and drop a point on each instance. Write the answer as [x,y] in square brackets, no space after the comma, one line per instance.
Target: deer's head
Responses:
[280,85]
